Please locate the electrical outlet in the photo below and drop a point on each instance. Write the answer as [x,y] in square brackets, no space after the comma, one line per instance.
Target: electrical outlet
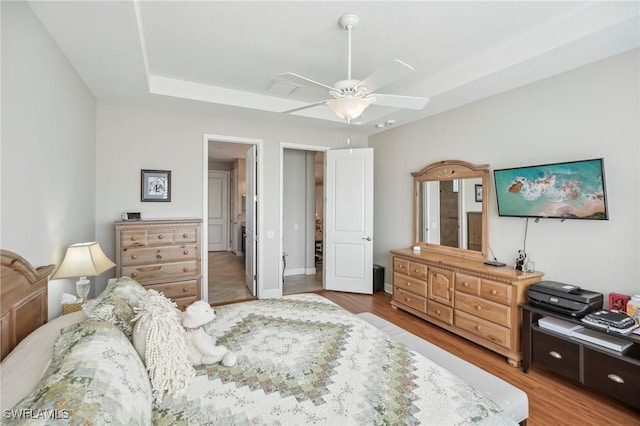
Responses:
[618,302]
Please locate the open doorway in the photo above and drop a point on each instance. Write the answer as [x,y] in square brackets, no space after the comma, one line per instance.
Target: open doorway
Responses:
[302,220]
[226,222]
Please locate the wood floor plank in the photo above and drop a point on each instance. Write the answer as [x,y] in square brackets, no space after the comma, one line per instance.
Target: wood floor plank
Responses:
[552,399]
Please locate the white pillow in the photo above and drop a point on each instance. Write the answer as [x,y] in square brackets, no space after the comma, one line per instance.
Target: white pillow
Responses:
[159,340]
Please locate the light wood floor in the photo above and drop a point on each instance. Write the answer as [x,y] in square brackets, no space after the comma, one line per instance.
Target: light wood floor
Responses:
[227,280]
[552,400]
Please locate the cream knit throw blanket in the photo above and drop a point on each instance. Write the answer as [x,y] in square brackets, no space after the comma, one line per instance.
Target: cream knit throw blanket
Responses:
[166,354]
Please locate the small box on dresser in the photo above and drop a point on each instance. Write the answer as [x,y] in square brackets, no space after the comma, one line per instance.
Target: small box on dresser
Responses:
[163,255]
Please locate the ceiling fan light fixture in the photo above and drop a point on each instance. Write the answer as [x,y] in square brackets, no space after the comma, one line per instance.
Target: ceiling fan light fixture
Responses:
[349,107]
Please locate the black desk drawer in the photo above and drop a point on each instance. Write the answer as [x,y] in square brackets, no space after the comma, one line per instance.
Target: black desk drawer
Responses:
[614,376]
[556,354]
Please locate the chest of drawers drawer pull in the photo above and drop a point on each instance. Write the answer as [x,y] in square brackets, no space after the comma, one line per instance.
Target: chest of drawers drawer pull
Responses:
[185,235]
[134,256]
[185,269]
[158,256]
[134,238]
[615,378]
[161,237]
[556,355]
[493,292]
[465,284]
[185,289]
[134,274]
[185,252]
[478,308]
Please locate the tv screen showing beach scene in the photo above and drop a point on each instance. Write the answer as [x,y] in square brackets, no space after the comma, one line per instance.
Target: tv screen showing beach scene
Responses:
[569,190]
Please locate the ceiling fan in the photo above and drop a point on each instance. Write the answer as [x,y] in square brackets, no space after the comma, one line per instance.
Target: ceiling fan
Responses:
[351,97]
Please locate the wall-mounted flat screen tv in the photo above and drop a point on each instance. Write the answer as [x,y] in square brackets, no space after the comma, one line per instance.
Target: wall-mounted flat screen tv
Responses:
[570,190]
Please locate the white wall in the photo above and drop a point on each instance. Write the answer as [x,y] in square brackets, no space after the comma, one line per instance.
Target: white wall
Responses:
[131,138]
[590,112]
[48,148]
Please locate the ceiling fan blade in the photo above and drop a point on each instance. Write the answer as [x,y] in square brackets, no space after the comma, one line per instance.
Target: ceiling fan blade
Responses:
[397,101]
[386,75]
[305,107]
[296,78]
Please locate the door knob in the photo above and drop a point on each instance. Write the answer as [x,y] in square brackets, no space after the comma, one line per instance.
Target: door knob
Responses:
[368,238]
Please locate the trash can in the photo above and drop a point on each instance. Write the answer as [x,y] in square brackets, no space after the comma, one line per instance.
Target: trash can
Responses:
[378,278]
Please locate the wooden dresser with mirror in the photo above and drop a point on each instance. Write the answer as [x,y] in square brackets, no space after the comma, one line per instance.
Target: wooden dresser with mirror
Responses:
[446,282]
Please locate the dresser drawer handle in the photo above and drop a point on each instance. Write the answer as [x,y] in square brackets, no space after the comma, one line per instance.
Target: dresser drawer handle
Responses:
[185,289]
[134,238]
[615,378]
[494,292]
[465,284]
[555,355]
[158,256]
[417,270]
[185,235]
[406,299]
[185,252]
[478,308]
[160,237]
[478,328]
[438,312]
[408,284]
[185,269]
[135,274]
[134,256]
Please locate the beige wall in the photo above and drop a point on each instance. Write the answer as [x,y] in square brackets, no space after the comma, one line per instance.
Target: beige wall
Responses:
[590,112]
[131,138]
[48,148]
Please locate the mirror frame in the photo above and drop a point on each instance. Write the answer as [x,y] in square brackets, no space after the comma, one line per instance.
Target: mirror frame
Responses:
[450,170]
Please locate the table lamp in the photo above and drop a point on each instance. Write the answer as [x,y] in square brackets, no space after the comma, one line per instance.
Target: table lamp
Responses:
[83,260]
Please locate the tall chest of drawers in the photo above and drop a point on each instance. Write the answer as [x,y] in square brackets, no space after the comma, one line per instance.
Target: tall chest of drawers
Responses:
[163,255]
[465,296]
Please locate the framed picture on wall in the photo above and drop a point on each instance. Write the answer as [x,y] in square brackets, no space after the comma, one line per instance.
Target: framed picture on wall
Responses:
[155,185]
[478,193]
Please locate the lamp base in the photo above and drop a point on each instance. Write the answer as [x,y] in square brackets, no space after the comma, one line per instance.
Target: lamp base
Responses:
[83,285]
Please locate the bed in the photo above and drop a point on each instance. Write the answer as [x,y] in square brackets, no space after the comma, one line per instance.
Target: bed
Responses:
[301,360]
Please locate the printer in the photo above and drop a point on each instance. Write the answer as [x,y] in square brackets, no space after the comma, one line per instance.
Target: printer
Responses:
[563,298]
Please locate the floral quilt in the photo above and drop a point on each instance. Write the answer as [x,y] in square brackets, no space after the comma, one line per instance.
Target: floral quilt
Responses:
[304,360]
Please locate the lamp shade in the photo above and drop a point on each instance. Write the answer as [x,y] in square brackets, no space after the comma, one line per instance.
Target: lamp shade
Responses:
[83,260]
[349,107]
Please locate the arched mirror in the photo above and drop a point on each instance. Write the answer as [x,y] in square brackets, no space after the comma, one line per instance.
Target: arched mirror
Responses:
[451,200]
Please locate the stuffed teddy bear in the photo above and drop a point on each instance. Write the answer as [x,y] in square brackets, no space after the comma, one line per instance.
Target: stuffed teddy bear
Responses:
[202,346]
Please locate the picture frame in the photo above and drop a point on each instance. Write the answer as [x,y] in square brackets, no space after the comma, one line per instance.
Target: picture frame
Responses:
[155,185]
[478,193]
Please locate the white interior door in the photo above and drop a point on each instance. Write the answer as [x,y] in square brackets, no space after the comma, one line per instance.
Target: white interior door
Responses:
[348,219]
[251,231]
[218,200]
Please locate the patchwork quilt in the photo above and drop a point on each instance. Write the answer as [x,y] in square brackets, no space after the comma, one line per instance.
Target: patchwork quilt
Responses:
[304,360]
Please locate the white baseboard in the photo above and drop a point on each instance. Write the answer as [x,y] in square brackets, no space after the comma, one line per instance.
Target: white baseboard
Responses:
[388,288]
[300,271]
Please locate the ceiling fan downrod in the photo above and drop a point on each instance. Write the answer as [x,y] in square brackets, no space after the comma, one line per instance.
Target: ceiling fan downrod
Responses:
[349,21]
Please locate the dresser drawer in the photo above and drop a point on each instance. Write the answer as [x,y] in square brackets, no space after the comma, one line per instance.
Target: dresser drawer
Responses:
[183,302]
[159,236]
[410,284]
[497,292]
[185,234]
[177,290]
[165,272]
[482,328]
[485,309]
[468,284]
[409,299]
[558,355]
[149,255]
[614,376]
[440,312]
[133,238]
[417,270]
[401,265]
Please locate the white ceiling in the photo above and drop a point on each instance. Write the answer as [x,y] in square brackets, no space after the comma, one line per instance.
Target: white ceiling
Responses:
[220,58]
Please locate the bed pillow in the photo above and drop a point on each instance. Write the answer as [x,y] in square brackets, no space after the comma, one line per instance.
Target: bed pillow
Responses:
[117,303]
[159,340]
[95,377]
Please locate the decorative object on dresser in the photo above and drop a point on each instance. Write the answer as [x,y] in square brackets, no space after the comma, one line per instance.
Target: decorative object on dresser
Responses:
[163,255]
[83,260]
[610,366]
[155,185]
[447,284]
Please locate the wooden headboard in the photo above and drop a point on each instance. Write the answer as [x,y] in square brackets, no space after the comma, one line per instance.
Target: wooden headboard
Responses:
[23,299]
